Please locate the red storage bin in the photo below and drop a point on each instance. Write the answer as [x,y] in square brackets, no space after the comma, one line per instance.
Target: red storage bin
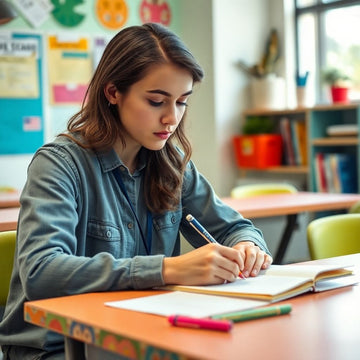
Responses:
[258,151]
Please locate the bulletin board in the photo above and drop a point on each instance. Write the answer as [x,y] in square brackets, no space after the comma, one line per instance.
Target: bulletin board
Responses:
[69,69]
[21,94]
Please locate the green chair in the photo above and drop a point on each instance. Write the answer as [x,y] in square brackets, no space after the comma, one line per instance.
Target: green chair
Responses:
[262,189]
[334,235]
[7,249]
[355,208]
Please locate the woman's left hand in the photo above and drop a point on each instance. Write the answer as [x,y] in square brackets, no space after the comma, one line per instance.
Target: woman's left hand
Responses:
[253,257]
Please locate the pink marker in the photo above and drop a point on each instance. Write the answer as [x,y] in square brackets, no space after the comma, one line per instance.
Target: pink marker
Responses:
[200,323]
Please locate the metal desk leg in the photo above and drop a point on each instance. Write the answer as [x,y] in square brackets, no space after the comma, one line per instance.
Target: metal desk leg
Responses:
[285,238]
[74,350]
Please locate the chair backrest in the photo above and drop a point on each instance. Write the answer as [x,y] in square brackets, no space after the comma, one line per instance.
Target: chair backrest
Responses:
[262,189]
[334,235]
[355,208]
[7,249]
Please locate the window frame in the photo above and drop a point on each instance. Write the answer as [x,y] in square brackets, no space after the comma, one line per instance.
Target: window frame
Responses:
[318,9]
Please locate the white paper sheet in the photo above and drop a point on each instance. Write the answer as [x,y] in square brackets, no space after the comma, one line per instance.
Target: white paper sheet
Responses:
[188,304]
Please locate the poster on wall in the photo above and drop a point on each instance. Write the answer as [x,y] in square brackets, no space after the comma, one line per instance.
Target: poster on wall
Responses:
[99,44]
[36,12]
[21,116]
[69,69]
[66,12]
[112,14]
[155,11]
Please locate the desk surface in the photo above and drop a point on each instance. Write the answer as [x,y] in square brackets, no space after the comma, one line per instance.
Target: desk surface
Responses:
[321,326]
[254,207]
[9,199]
[9,218]
[284,204]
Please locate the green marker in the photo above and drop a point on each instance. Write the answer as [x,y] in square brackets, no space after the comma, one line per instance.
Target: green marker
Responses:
[255,313]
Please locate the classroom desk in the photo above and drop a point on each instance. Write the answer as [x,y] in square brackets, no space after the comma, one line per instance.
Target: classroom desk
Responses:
[290,205]
[321,326]
[9,218]
[9,199]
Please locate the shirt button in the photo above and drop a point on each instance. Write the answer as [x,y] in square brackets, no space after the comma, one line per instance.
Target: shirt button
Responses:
[130,225]
[173,220]
[122,168]
[108,234]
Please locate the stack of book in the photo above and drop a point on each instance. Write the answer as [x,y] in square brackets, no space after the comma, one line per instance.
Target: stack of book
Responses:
[293,133]
[335,172]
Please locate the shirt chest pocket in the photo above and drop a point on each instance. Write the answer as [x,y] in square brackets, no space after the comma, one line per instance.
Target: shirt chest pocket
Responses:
[167,222]
[166,235]
[104,237]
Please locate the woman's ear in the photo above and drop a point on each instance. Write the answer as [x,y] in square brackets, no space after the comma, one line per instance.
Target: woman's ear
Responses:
[111,93]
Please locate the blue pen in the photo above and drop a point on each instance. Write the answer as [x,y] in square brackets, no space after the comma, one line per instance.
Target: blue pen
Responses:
[204,233]
[200,229]
[301,80]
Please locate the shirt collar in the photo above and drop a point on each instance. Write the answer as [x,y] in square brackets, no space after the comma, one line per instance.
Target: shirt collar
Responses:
[109,160]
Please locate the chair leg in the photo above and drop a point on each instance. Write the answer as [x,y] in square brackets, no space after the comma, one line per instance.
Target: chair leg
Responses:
[285,238]
[74,350]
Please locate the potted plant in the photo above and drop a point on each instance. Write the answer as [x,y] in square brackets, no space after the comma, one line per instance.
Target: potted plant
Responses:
[267,90]
[339,83]
[258,146]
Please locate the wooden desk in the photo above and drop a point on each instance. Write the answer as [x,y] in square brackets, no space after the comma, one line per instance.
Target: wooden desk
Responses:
[256,207]
[284,204]
[9,199]
[321,326]
[9,218]
[290,205]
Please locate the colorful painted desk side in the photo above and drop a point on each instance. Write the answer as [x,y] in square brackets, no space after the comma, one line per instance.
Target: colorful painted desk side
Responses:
[325,325]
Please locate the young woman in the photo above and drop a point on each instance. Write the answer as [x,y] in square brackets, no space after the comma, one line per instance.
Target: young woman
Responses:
[105,203]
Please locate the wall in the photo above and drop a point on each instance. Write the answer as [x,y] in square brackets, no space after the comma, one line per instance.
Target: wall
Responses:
[13,167]
[218,41]
[219,33]
[229,31]
[201,120]
[240,32]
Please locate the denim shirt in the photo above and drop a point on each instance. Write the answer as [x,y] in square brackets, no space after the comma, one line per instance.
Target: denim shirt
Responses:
[77,233]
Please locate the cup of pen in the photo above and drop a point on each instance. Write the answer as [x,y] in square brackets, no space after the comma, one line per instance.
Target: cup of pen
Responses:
[301,96]
[301,93]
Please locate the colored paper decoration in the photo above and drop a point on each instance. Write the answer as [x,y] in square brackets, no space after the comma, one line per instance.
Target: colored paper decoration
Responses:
[155,11]
[112,14]
[64,12]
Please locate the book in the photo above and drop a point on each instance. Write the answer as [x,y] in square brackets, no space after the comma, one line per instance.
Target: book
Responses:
[298,142]
[336,185]
[320,175]
[335,173]
[302,139]
[285,130]
[280,282]
[329,174]
[347,173]
[295,142]
[186,303]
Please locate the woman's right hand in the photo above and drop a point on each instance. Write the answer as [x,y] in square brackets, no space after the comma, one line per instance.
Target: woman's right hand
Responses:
[209,264]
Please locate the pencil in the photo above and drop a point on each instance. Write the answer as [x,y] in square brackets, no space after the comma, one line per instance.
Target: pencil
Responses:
[255,313]
[205,234]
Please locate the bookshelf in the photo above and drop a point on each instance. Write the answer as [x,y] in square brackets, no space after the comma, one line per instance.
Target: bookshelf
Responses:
[317,121]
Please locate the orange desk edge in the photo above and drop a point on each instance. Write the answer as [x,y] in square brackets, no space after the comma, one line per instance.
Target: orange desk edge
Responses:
[9,218]
[324,325]
[9,199]
[285,204]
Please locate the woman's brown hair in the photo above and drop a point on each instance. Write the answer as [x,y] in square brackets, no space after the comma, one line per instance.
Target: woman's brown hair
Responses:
[125,61]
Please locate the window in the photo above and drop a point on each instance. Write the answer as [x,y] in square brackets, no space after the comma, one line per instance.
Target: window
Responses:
[328,35]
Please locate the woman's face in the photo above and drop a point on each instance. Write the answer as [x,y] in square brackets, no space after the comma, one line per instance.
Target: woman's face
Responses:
[153,107]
